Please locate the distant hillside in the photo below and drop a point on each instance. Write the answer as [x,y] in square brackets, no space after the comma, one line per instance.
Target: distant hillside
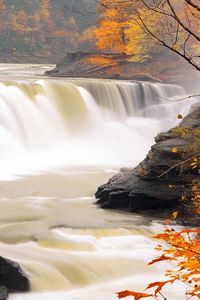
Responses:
[42,30]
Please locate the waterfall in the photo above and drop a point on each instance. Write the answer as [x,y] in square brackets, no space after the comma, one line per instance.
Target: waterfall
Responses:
[59,140]
[50,123]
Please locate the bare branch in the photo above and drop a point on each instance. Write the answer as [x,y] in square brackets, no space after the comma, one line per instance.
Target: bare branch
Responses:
[181,23]
[191,3]
[163,43]
[185,44]
[176,100]
[178,164]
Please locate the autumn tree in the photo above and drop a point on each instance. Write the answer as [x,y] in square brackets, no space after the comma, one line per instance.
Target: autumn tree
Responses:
[177,27]
[112,22]
[20,22]
[170,23]
[119,31]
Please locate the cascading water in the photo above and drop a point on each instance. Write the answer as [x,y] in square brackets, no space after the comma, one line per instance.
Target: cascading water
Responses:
[49,123]
[60,139]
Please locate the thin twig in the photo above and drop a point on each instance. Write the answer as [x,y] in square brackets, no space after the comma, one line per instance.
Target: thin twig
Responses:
[176,100]
[178,164]
[163,296]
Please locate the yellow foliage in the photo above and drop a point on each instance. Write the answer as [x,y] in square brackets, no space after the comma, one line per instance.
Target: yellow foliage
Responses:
[175,47]
[120,31]
[175,214]
[110,36]
[179,116]
[136,41]
[174,150]
[45,9]
[100,60]
[128,27]
[20,22]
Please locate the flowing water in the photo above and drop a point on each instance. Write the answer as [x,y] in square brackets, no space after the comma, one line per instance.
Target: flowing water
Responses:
[61,139]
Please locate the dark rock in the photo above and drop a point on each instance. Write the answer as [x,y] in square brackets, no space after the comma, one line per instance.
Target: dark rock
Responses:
[76,64]
[187,212]
[12,276]
[3,292]
[161,178]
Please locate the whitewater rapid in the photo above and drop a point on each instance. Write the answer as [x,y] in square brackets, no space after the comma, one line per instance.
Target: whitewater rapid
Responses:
[59,140]
[49,123]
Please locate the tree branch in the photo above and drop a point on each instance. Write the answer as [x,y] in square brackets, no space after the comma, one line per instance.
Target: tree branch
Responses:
[176,100]
[191,3]
[181,23]
[163,43]
[178,164]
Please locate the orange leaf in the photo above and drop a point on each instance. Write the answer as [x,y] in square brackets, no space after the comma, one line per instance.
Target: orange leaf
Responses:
[136,295]
[198,210]
[175,214]
[162,257]
[168,221]
[159,285]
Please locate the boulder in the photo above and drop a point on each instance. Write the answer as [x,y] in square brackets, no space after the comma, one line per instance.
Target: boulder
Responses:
[163,177]
[12,277]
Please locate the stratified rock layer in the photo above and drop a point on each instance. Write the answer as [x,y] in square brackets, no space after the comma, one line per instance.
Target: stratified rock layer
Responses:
[163,177]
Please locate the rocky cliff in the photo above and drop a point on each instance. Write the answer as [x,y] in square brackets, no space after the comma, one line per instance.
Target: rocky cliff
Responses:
[163,178]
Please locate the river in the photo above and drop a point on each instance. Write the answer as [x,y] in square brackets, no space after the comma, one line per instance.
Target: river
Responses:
[61,139]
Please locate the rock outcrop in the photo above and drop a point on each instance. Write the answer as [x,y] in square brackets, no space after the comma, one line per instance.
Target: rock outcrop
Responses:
[163,177]
[85,64]
[12,278]
[121,66]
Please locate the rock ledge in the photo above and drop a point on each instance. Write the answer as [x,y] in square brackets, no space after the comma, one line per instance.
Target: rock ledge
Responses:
[162,178]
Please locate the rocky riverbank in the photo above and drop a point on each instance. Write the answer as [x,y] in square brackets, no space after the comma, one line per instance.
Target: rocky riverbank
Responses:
[124,67]
[93,65]
[163,178]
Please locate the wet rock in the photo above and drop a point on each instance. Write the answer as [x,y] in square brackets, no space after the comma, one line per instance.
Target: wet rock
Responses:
[12,277]
[3,292]
[161,179]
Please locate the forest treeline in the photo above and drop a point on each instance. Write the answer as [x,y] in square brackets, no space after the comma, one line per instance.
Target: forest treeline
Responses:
[42,29]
